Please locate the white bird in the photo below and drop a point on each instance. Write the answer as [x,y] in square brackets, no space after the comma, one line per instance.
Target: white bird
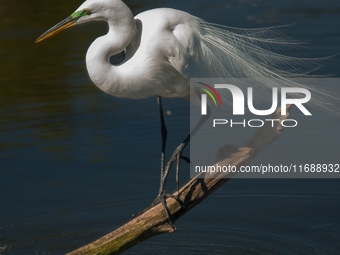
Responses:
[164,48]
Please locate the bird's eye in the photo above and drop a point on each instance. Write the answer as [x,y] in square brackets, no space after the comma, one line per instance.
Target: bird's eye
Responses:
[87,11]
[81,13]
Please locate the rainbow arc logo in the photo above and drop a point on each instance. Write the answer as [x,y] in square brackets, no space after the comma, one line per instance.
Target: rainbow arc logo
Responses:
[209,93]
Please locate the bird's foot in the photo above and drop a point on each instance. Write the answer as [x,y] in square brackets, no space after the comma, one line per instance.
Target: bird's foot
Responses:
[177,155]
[161,198]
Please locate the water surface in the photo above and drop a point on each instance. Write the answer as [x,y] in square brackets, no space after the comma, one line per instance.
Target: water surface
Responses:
[75,163]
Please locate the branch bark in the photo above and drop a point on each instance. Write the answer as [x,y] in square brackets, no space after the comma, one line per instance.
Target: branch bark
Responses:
[154,221]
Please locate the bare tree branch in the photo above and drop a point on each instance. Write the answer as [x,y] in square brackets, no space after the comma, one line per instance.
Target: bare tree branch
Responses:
[154,221]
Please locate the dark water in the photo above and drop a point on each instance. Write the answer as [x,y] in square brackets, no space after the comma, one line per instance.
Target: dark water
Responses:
[75,163]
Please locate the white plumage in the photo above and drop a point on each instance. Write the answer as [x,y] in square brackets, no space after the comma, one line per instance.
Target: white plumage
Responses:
[164,48]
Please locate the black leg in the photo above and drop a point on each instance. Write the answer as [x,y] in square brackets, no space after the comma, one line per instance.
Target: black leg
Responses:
[162,194]
[177,155]
[164,133]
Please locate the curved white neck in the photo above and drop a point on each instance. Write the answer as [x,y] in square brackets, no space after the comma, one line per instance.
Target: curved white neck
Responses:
[118,38]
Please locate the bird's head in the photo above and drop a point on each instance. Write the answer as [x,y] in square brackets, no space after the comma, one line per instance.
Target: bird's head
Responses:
[90,10]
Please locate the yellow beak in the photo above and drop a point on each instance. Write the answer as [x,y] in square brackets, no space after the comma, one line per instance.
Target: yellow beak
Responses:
[66,23]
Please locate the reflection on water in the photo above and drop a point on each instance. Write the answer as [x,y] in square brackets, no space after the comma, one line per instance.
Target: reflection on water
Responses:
[75,163]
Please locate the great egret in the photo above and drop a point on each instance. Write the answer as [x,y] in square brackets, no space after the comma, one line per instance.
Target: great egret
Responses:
[164,48]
